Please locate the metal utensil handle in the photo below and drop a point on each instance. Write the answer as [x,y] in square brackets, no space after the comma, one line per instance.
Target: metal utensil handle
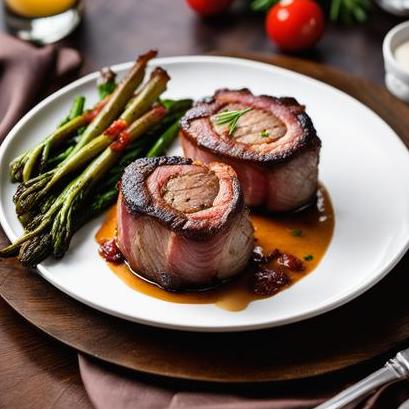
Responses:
[361,389]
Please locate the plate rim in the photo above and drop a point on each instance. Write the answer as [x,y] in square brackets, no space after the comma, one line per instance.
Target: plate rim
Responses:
[319,309]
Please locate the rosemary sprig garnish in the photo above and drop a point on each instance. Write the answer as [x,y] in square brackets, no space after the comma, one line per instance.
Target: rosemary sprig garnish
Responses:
[230,118]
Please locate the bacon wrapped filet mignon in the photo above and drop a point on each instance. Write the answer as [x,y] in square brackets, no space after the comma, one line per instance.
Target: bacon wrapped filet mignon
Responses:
[183,224]
[273,148]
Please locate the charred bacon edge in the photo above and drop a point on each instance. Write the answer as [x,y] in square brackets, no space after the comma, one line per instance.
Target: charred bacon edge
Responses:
[210,106]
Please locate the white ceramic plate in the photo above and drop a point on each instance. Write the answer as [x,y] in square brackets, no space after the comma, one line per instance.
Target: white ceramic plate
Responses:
[364,166]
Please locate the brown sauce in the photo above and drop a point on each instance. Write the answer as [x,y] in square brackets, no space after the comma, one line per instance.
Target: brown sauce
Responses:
[305,234]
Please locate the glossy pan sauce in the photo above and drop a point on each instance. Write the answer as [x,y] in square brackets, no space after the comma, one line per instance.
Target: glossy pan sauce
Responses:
[305,234]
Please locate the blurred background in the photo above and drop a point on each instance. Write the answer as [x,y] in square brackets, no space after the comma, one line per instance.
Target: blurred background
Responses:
[112,32]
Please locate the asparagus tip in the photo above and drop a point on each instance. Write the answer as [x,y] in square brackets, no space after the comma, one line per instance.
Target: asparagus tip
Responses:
[144,58]
[9,251]
[160,72]
[106,75]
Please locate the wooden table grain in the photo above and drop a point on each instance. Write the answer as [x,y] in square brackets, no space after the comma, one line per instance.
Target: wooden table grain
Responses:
[117,33]
[36,371]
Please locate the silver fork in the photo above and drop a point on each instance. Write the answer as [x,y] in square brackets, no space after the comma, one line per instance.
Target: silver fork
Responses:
[395,369]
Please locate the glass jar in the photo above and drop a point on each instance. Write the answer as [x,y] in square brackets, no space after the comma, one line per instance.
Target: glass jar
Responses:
[42,21]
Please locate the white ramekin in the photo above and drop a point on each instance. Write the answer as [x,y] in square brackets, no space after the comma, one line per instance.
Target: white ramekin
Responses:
[396,78]
[396,7]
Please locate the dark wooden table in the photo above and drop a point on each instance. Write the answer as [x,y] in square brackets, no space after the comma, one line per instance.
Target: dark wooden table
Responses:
[37,372]
[112,34]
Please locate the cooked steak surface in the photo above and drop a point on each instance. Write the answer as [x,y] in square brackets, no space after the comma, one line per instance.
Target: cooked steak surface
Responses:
[252,126]
[183,224]
[193,191]
[274,148]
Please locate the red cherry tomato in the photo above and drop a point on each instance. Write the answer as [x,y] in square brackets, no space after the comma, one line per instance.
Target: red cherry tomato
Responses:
[209,7]
[295,25]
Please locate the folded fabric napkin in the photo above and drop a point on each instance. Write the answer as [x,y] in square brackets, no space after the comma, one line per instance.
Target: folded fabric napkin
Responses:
[110,388]
[27,74]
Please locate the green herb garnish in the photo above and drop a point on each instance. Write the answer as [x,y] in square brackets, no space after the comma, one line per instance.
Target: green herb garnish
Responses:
[349,11]
[230,118]
[262,5]
[264,133]
[346,11]
[309,257]
[296,232]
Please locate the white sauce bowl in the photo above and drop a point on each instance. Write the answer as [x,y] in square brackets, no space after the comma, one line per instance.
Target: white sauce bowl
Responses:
[396,7]
[396,78]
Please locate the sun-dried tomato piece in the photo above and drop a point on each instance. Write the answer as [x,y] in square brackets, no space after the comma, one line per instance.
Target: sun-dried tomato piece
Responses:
[116,128]
[293,263]
[90,115]
[258,256]
[110,252]
[268,281]
[122,142]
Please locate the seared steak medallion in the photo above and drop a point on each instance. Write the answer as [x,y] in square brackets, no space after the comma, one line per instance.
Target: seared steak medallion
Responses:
[274,148]
[183,224]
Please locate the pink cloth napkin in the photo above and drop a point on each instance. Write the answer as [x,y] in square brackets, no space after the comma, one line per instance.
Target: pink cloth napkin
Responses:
[110,388]
[27,74]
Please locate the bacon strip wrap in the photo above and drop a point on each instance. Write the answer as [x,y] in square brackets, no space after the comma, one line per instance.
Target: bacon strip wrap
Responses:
[183,224]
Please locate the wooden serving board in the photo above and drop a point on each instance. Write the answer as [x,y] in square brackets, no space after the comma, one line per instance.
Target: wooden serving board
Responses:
[375,323]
